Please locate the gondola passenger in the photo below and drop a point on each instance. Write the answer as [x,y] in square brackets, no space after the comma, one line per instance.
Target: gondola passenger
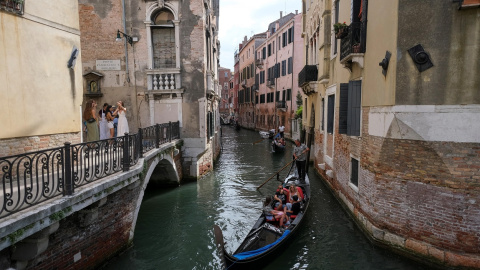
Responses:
[273,215]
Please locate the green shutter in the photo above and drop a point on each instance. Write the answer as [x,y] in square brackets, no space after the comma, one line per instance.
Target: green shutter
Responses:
[343,109]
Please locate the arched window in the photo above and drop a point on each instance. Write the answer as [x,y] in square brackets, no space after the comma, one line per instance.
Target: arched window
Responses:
[163,39]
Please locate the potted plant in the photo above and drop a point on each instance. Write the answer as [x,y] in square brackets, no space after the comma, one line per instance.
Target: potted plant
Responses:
[340,29]
[356,48]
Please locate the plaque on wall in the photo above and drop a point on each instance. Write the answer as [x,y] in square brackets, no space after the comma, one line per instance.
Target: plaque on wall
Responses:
[108,65]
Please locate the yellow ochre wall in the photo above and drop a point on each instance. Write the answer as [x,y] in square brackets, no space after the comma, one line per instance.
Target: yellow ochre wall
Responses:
[39,95]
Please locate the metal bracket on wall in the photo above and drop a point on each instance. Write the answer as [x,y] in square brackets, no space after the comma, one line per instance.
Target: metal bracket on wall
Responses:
[385,62]
[420,58]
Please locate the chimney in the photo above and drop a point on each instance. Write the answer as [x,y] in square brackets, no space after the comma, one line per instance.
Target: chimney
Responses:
[296,11]
[281,13]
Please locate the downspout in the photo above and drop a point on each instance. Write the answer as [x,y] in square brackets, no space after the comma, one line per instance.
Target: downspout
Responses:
[291,91]
[125,44]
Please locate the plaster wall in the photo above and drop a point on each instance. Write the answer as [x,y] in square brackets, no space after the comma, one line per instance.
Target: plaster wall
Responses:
[377,89]
[36,83]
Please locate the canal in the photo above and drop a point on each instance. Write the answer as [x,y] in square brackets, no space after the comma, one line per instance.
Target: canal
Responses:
[174,226]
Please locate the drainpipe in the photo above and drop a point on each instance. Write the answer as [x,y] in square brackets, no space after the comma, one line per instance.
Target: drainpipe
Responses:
[125,44]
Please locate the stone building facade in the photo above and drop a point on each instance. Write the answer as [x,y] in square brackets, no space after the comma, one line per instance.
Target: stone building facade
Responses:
[40,71]
[224,75]
[278,61]
[165,67]
[390,111]
[247,87]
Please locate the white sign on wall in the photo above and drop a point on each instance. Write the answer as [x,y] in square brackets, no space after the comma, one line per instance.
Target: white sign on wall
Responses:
[108,64]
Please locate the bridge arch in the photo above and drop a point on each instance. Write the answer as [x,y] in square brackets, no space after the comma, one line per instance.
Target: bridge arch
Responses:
[162,171]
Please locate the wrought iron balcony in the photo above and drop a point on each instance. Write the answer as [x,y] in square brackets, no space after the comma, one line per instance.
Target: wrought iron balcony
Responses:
[281,104]
[271,83]
[353,42]
[259,63]
[308,74]
[13,6]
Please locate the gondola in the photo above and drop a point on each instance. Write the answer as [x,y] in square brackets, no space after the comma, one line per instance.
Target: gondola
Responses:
[264,242]
[277,147]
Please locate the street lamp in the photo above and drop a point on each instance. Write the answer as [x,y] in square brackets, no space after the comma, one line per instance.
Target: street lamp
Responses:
[127,37]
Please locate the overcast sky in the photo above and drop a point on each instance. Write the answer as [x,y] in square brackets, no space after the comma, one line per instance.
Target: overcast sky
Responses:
[239,18]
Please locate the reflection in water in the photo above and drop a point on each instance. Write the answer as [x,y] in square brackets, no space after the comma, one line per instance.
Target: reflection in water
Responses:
[174,226]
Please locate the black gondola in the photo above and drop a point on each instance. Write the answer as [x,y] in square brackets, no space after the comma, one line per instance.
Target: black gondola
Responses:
[265,241]
[277,146]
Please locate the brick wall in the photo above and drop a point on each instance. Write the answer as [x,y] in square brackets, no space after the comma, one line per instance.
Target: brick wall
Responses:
[95,242]
[15,146]
[422,196]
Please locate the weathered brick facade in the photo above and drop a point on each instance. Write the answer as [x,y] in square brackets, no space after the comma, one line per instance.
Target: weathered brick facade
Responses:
[15,146]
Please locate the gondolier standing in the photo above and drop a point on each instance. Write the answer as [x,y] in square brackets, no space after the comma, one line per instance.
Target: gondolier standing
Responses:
[299,153]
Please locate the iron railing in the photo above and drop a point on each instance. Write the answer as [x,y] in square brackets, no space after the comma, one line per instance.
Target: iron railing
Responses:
[31,178]
[281,104]
[354,41]
[13,6]
[308,74]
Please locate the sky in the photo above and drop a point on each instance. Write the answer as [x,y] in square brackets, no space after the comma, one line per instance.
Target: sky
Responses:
[239,18]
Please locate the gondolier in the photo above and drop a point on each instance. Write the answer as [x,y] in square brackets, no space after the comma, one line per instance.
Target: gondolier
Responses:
[300,154]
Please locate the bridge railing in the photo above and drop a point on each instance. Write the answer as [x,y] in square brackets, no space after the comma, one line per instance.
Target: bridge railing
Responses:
[31,178]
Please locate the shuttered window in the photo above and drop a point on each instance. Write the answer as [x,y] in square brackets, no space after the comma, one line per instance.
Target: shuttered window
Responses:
[343,109]
[354,108]
[349,115]
[330,113]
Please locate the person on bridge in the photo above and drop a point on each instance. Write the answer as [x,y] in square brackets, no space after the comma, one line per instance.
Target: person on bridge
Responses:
[89,115]
[300,154]
[122,127]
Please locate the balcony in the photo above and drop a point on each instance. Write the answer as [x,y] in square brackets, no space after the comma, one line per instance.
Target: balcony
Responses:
[271,83]
[281,104]
[352,46]
[12,6]
[259,63]
[164,81]
[308,74]
[244,83]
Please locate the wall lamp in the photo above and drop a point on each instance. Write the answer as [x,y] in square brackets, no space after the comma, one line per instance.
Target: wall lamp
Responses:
[129,39]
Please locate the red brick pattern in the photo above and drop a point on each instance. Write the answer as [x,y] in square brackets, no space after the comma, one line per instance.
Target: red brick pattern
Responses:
[15,146]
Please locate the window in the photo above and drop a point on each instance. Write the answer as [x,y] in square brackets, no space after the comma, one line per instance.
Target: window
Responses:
[323,118]
[330,113]
[269,49]
[290,35]
[163,39]
[284,67]
[210,124]
[273,47]
[284,38]
[289,94]
[262,98]
[354,164]
[350,108]
[290,65]
[264,52]
[248,72]
[335,41]
[277,96]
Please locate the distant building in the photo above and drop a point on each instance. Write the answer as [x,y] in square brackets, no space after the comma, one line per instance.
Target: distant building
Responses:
[391,116]
[165,67]
[278,61]
[248,87]
[40,75]
[224,75]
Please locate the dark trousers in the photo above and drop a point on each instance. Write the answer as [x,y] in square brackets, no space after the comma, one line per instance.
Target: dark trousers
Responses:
[301,169]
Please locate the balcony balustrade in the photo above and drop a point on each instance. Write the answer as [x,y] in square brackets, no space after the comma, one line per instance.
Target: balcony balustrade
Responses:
[281,104]
[308,74]
[163,79]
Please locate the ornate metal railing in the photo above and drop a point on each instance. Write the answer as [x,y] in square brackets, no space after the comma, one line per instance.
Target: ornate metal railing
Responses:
[353,42]
[309,73]
[13,6]
[31,178]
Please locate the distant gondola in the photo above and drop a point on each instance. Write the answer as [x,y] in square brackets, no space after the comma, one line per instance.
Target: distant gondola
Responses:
[265,241]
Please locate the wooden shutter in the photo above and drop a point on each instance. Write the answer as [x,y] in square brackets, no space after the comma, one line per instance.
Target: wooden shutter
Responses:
[343,109]
[330,113]
[354,107]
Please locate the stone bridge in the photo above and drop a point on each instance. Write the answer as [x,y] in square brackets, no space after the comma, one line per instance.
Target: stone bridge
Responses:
[83,230]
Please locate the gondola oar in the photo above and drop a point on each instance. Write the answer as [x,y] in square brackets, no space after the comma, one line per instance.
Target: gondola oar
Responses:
[259,141]
[275,174]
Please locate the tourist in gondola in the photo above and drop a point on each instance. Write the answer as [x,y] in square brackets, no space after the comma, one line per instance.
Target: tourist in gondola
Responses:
[300,154]
[280,198]
[273,215]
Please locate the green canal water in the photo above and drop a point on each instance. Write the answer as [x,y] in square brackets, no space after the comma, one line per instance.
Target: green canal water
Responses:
[174,226]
